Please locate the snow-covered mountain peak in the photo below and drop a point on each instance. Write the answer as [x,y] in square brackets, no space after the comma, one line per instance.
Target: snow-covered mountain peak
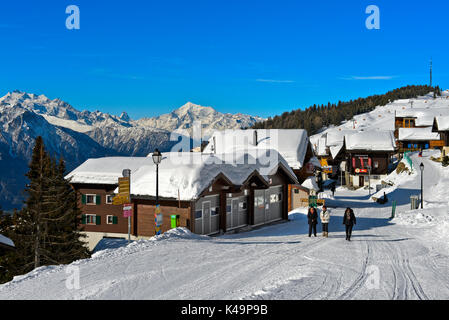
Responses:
[193,109]
[125,117]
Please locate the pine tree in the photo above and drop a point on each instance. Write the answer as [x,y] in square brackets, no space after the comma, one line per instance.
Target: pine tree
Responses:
[46,231]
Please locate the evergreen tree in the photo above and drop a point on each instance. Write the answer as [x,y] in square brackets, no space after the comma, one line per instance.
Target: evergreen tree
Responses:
[47,230]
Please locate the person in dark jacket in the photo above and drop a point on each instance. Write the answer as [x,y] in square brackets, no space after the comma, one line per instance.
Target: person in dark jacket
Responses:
[312,218]
[349,221]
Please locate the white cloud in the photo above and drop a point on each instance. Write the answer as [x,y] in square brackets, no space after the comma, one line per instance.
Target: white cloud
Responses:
[368,78]
[275,81]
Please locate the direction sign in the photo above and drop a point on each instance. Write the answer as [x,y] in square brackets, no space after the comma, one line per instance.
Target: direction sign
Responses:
[119,200]
[123,186]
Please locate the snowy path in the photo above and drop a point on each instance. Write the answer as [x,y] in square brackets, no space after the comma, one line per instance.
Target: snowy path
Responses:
[278,261]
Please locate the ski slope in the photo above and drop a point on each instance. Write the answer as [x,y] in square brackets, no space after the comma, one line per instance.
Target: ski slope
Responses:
[409,254]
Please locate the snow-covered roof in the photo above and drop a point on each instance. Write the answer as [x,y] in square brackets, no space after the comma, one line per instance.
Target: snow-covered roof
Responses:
[416,134]
[424,116]
[189,172]
[6,241]
[442,123]
[332,141]
[106,170]
[290,143]
[370,140]
[311,184]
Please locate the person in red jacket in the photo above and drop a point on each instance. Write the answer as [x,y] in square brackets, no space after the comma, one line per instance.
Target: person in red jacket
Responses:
[349,221]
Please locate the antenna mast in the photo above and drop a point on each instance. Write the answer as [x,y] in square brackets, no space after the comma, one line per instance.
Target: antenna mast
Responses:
[431,71]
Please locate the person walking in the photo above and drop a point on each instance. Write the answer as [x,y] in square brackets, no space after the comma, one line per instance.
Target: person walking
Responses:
[312,218]
[325,217]
[349,221]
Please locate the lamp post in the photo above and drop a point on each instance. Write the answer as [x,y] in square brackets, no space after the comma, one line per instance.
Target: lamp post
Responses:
[421,167]
[157,158]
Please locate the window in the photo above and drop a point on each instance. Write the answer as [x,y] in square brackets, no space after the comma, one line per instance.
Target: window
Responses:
[91,219]
[91,199]
[109,198]
[215,211]
[228,206]
[111,220]
[242,205]
[376,164]
[296,190]
[198,214]
[259,201]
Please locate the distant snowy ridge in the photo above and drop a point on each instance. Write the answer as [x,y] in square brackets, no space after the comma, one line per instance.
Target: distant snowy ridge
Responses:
[78,135]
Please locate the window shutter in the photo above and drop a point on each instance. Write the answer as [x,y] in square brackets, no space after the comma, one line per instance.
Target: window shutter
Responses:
[83,199]
[97,220]
[98,199]
[83,219]
[114,220]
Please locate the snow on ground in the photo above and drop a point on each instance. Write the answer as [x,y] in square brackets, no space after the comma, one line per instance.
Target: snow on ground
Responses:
[408,255]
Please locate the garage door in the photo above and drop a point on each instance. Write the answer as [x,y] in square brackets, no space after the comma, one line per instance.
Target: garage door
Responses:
[273,199]
[236,212]
[207,215]
[267,205]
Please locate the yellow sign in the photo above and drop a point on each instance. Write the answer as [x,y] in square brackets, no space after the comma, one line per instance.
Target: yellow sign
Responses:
[119,200]
[123,186]
[123,196]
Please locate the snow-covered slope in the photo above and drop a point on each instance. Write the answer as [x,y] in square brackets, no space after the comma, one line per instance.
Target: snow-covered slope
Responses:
[382,118]
[409,253]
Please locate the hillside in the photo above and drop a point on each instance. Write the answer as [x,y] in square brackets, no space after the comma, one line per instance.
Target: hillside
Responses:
[314,118]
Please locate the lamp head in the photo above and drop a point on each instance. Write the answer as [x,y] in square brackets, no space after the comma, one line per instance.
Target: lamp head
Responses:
[157,157]
[421,166]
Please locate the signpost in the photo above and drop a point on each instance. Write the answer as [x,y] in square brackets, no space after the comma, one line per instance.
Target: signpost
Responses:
[124,198]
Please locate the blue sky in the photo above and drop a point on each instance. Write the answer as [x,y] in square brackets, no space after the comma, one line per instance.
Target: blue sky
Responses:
[258,57]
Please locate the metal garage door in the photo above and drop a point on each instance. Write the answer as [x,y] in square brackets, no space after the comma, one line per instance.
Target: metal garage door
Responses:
[236,212]
[207,215]
[273,199]
[259,207]
[267,205]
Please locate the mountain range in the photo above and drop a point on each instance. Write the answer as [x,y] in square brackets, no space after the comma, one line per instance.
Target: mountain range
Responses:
[78,135]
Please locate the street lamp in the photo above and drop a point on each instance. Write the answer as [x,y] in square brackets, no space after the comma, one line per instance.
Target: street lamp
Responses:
[421,167]
[157,158]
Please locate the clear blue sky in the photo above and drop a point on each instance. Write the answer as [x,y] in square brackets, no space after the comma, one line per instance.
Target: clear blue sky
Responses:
[257,57]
